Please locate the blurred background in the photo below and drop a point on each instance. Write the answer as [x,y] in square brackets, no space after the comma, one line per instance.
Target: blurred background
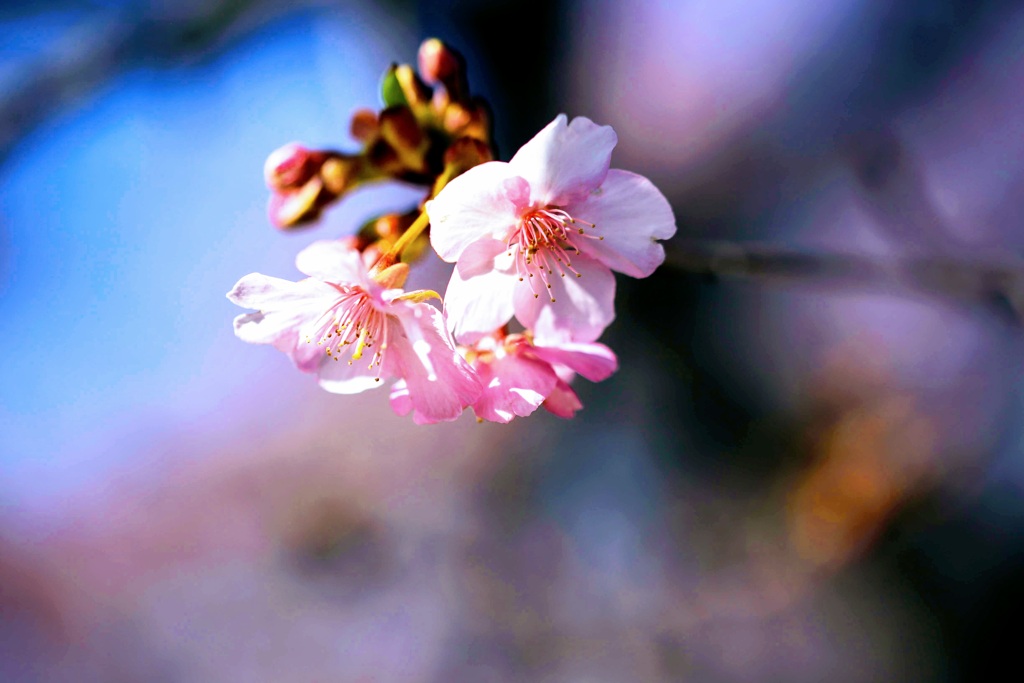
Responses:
[783,482]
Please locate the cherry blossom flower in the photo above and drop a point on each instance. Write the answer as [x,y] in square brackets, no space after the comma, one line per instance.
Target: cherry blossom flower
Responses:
[519,376]
[541,234]
[353,330]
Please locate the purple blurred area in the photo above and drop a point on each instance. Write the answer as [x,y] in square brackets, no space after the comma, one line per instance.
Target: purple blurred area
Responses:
[782,483]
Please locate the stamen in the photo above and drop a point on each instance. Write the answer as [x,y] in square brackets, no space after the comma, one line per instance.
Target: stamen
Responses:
[355,324]
[542,243]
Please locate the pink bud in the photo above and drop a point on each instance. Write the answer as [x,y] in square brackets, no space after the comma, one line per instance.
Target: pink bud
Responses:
[291,167]
[438,63]
[290,209]
[363,126]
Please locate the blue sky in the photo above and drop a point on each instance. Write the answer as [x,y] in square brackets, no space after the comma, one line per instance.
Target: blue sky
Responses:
[124,222]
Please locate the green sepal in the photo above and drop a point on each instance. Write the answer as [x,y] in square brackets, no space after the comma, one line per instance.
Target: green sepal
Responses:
[391,89]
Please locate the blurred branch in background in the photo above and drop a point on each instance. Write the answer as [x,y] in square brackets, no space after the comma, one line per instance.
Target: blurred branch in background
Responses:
[970,280]
[105,42]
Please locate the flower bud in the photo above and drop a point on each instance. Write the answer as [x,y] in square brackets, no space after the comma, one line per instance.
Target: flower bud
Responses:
[302,182]
[470,120]
[399,127]
[290,167]
[363,126]
[401,132]
[340,173]
[391,90]
[465,153]
[438,63]
[289,209]
[390,226]
[415,90]
[462,155]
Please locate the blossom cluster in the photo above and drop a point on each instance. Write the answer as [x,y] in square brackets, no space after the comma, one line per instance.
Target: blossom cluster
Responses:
[534,242]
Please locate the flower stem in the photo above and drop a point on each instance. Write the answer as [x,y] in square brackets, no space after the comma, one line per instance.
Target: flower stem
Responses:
[394,254]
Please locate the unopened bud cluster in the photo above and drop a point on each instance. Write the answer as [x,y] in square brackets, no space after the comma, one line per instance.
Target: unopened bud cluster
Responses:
[430,127]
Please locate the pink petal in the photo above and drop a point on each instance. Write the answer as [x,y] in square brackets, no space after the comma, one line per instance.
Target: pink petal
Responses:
[565,162]
[484,201]
[630,214]
[399,398]
[583,307]
[440,383]
[332,261]
[513,385]
[563,401]
[596,362]
[564,373]
[479,305]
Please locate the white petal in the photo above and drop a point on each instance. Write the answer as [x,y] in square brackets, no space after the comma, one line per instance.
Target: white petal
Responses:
[485,201]
[565,162]
[630,213]
[307,354]
[285,307]
[583,307]
[272,293]
[332,261]
[478,305]
[338,377]
[283,330]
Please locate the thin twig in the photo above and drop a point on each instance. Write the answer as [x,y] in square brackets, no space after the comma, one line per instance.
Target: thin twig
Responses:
[975,281]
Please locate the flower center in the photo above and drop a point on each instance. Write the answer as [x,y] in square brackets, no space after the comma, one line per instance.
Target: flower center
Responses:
[352,326]
[545,241]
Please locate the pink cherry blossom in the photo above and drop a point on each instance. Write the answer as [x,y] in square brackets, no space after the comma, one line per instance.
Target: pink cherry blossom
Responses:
[353,331]
[519,376]
[541,234]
